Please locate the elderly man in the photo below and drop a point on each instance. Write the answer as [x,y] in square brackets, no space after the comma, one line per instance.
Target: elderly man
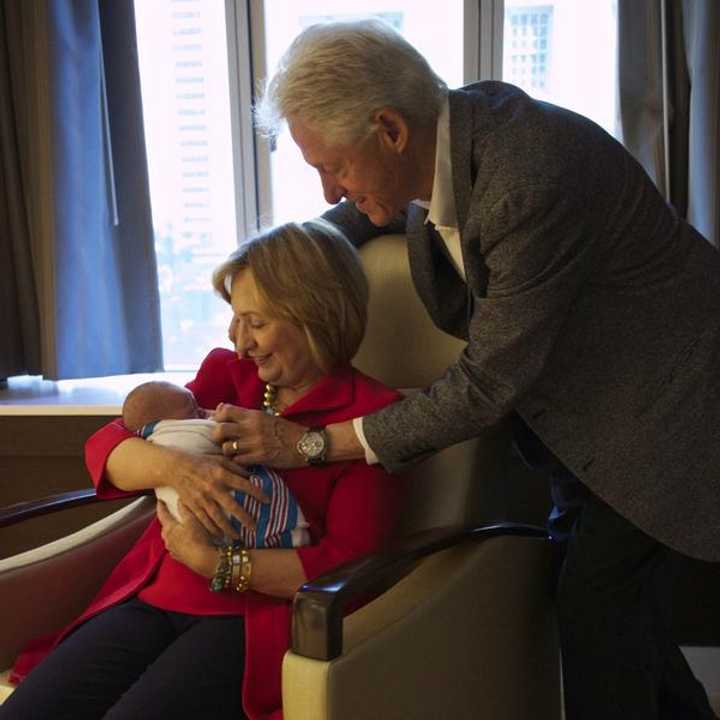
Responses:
[592,315]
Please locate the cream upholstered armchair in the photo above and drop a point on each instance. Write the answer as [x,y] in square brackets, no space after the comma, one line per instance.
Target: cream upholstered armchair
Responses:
[461,624]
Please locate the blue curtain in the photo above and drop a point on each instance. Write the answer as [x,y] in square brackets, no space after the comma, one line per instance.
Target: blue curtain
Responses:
[89,231]
[20,344]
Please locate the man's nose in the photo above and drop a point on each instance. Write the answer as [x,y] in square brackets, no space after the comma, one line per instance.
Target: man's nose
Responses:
[334,192]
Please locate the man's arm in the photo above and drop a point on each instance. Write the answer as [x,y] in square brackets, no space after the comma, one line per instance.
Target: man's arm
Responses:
[343,443]
[356,225]
[539,249]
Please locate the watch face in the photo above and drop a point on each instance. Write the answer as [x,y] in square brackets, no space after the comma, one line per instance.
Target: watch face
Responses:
[312,444]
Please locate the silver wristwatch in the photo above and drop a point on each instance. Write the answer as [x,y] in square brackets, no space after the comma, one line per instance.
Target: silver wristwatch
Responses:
[313,445]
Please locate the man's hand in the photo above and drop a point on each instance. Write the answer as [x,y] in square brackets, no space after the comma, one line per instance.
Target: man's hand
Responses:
[254,437]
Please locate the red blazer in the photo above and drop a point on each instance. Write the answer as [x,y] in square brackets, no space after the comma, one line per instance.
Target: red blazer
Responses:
[350,506]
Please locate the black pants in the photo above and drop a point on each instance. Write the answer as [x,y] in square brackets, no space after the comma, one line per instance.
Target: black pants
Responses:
[136,662]
[620,661]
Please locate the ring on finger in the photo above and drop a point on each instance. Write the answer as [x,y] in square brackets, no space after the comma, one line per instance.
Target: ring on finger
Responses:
[234,445]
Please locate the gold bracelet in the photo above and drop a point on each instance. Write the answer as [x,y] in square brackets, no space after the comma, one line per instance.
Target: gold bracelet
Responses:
[236,566]
[241,560]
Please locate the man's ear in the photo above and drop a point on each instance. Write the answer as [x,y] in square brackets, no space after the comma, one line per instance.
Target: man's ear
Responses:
[392,129]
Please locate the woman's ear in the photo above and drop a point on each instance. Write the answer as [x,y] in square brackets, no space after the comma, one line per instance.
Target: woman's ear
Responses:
[392,129]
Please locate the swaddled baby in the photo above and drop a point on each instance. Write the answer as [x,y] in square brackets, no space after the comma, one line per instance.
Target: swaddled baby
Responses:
[167,414]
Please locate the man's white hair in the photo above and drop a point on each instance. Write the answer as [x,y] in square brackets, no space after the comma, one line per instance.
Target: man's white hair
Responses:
[334,76]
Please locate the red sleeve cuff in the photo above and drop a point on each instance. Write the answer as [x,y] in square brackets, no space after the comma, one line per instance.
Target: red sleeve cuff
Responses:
[97,450]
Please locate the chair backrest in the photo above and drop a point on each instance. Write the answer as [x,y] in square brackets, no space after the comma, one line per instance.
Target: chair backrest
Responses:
[403,349]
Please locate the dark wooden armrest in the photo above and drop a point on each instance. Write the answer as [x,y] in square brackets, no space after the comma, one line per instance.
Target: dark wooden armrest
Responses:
[18,512]
[319,605]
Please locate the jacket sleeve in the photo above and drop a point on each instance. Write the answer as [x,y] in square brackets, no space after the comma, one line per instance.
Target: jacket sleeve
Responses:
[538,254]
[360,518]
[356,226]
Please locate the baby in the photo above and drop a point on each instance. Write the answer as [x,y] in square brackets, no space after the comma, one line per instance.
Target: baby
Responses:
[167,414]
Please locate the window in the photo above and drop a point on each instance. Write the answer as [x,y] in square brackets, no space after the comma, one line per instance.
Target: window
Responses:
[194,56]
[564,51]
[212,181]
[186,106]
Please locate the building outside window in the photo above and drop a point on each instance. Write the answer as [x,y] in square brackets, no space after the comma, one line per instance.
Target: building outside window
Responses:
[528,43]
[564,52]
[186,106]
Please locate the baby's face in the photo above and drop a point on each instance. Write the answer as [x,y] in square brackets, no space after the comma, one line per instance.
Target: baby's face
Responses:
[193,410]
[189,408]
[184,406]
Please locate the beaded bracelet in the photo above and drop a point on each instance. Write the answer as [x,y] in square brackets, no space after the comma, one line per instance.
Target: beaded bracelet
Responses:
[222,578]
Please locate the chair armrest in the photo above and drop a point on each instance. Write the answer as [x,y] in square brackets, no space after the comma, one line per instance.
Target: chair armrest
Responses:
[18,512]
[319,605]
[43,589]
[13,514]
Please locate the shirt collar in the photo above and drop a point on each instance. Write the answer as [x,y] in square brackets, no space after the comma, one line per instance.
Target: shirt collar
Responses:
[441,208]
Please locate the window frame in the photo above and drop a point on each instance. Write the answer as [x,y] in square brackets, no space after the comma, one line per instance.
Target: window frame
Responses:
[242,69]
[245,21]
[483,39]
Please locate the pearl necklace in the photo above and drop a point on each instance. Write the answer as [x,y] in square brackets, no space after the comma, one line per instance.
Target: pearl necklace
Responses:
[269,400]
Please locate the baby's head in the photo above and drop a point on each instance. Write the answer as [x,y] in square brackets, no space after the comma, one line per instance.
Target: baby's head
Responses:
[157,400]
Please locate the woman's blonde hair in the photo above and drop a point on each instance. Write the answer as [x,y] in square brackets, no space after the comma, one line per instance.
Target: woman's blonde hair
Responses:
[310,275]
[334,76]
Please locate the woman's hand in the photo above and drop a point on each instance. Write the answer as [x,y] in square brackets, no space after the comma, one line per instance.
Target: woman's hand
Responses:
[187,542]
[204,484]
[253,436]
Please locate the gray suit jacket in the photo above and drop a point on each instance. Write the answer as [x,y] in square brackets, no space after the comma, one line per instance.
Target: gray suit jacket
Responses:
[590,308]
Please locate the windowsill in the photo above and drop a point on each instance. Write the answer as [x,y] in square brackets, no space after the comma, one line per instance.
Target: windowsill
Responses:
[32,395]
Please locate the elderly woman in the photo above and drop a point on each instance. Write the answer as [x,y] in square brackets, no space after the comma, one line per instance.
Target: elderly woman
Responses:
[181,626]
